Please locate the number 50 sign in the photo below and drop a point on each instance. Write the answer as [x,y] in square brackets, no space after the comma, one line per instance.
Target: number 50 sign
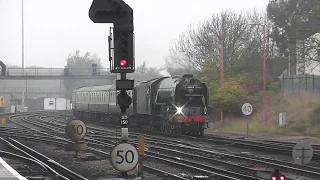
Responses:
[124,157]
[75,130]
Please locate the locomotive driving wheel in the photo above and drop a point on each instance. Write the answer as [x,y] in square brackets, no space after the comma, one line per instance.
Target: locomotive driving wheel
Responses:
[201,129]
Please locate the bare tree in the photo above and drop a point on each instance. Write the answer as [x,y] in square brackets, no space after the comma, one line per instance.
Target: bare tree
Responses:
[239,39]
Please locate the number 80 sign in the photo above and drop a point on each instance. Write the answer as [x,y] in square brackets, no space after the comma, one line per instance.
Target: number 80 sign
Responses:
[75,130]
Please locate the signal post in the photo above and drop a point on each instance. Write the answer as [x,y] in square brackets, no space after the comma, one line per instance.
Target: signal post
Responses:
[124,156]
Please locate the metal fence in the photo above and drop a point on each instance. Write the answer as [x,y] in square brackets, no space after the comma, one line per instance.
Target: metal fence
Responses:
[293,84]
[54,71]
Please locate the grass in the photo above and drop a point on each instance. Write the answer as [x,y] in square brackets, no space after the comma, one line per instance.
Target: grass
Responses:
[302,111]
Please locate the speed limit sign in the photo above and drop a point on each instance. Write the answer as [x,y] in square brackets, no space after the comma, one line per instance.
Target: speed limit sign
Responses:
[247,109]
[75,130]
[124,157]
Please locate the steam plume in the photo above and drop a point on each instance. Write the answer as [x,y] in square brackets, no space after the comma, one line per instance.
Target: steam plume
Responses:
[164,73]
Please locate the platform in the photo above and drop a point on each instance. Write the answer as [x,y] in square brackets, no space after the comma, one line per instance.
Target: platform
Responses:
[8,173]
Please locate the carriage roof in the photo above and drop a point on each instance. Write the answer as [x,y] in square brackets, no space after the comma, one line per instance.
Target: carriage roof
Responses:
[93,88]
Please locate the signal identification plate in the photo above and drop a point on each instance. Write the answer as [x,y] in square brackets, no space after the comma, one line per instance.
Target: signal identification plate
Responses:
[124,84]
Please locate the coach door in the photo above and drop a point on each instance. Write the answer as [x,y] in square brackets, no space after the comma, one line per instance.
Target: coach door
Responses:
[148,92]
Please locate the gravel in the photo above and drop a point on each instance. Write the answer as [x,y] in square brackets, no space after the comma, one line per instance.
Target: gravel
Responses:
[264,136]
[89,169]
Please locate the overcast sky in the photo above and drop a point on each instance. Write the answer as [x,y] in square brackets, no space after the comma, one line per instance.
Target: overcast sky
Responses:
[53,29]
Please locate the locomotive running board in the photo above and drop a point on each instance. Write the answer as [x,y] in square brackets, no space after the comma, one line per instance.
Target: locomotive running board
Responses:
[196,95]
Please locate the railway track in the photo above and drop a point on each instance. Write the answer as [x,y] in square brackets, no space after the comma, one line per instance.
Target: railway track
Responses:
[173,145]
[49,166]
[273,146]
[225,174]
[47,137]
[276,147]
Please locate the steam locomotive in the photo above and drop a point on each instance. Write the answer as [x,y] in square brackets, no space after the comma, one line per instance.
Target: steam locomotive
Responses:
[175,104]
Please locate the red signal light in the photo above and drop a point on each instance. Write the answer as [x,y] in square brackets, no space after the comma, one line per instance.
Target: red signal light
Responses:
[123,63]
[274,178]
[282,177]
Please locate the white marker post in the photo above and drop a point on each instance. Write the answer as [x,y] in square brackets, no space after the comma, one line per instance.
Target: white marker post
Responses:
[247,110]
[124,157]
[76,130]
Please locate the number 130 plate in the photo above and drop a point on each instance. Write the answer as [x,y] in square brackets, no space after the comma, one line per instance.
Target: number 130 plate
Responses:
[124,157]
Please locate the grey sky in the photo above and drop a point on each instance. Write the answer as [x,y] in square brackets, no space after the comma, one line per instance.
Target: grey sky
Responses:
[53,29]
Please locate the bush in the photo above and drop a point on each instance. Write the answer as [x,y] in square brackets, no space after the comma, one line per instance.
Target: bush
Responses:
[230,97]
[303,116]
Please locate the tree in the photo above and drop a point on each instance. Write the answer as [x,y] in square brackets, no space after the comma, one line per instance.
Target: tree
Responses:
[243,60]
[242,44]
[82,65]
[294,21]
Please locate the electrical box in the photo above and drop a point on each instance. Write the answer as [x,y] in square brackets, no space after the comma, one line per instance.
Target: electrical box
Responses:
[282,119]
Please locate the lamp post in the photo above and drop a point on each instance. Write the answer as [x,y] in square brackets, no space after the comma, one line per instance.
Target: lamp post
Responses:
[22,48]
[221,64]
[265,120]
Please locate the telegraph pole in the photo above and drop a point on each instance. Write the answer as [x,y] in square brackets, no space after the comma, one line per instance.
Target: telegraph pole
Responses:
[264,76]
[265,120]
[221,40]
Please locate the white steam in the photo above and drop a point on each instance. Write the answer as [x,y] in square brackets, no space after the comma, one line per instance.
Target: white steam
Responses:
[164,73]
